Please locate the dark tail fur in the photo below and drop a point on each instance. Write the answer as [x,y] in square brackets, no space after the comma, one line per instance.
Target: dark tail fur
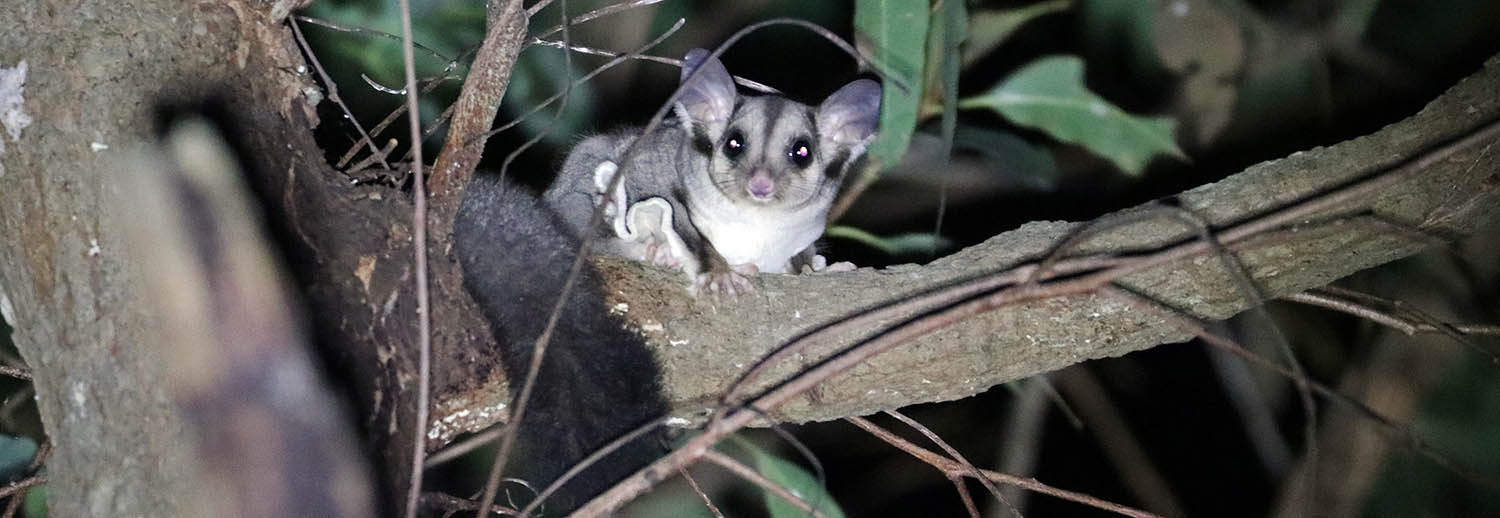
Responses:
[598,380]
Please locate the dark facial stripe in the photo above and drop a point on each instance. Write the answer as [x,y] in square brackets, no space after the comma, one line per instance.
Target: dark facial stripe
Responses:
[836,165]
[701,142]
[773,108]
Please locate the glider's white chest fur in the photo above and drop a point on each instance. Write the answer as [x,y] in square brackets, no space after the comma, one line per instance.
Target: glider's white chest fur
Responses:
[767,238]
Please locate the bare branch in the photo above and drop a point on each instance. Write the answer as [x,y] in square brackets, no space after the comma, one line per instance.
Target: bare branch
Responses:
[957,457]
[949,466]
[1331,299]
[707,502]
[1409,438]
[333,91]
[754,477]
[477,104]
[424,310]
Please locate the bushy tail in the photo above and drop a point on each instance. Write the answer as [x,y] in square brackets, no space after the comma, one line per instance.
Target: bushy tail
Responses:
[598,381]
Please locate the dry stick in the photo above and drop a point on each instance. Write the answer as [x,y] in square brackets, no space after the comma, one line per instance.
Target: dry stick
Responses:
[949,466]
[753,85]
[591,15]
[36,462]
[15,502]
[1448,331]
[419,238]
[1412,440]
[562,105]
[14,487]
[956,456]
[701,494]
[617,59]
[1362,189]
[15,372]
[370,32]
[537,7]
[428,87]
[1326,299]
[963,494]
[451,504]
[13,506]
[333,89]
[485,85]
[1424,319]
[846,360]
[754,477]
[466,445]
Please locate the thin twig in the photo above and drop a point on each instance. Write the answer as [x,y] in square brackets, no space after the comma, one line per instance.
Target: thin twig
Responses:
[1326,298]
[708,502]
[427,87]
[589,16]
[754,477]
[963,495]
[949,466]
[450,503]
[747,83]
[371,32]
[16,372]
[459,448]
[562,105]
[333,89]
[1411,439]
[590,75]
[956,456]
[36,463]
[419,238]
[19,485]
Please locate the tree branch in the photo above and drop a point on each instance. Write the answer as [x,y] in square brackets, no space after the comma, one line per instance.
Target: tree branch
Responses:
[1444,186]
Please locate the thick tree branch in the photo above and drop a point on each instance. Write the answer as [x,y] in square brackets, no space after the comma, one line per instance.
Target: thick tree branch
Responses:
[1449,189]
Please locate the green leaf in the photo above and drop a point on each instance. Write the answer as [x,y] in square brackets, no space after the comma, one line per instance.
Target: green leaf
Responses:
[15,456]
[897,245]
[1048,95]
[789,475]
[35,505]
[991,28]
[894,34]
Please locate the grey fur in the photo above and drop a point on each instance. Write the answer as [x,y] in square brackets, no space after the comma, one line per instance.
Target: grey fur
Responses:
[761,207]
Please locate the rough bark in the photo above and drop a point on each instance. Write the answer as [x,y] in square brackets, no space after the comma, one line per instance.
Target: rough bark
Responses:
[96,67]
